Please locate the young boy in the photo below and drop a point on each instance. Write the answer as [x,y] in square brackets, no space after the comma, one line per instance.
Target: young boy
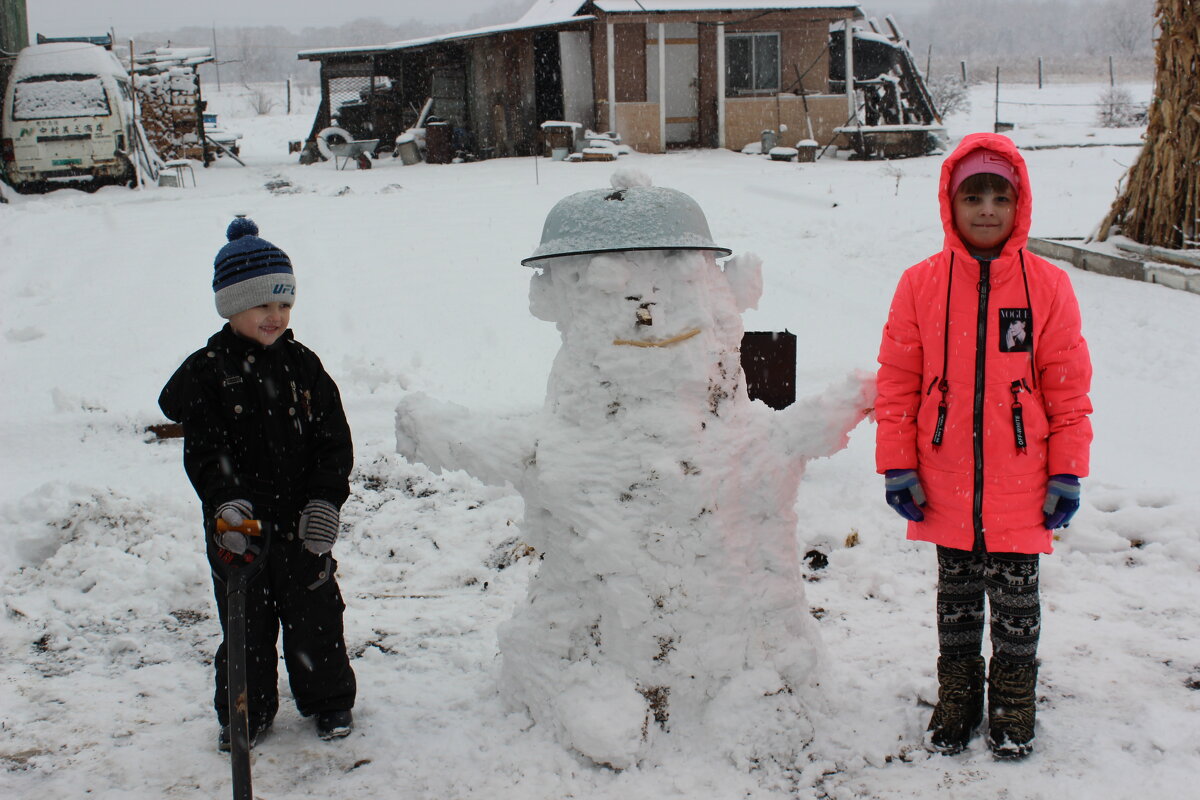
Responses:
[265,438]
[983,435]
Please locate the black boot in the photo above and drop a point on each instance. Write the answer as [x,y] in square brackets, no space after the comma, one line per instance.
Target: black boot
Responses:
[1011,700]
[335,724]
[224,736]
[959,708]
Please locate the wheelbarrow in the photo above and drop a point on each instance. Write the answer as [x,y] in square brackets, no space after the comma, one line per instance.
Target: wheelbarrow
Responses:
[358,151]
[239,571]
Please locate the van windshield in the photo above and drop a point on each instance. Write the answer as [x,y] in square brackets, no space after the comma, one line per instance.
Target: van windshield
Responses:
[58,96]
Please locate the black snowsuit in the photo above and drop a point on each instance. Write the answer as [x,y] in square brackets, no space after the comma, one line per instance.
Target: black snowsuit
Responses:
[266,424]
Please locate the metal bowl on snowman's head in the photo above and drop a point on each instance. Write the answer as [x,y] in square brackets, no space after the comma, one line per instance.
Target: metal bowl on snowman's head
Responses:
[634,218]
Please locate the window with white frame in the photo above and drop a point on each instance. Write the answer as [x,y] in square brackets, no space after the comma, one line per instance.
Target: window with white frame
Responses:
[751,63]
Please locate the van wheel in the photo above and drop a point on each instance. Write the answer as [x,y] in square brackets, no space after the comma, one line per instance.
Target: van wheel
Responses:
[128,176]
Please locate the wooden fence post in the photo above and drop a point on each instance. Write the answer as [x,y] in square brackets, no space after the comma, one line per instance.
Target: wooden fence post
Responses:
[997,120]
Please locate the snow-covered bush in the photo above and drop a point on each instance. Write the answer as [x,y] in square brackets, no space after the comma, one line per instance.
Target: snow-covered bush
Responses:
[261,102]
[950,95]
[1116,109]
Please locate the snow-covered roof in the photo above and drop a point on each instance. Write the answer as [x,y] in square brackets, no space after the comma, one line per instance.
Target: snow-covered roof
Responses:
[558,10]
[659,6]
[520,25]
[66,58]
[549,13]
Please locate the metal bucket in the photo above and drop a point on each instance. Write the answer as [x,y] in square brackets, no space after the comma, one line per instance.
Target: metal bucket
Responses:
[408,151]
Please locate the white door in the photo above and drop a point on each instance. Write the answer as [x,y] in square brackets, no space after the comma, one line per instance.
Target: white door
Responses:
[682,83]
[576,54]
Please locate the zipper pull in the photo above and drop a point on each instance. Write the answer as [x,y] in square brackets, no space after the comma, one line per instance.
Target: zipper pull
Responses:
[939,430]
[1018,415]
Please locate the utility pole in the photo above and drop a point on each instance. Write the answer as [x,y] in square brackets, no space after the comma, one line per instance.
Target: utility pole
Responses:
[216,60]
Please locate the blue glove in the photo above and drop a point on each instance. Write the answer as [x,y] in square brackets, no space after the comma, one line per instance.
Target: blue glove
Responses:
[904,493]
[1062,501]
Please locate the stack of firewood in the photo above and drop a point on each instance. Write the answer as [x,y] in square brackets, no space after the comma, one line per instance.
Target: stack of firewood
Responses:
[169,112]
[1160,200]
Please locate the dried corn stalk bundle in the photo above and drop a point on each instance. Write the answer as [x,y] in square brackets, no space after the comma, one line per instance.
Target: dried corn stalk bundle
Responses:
[1160,201]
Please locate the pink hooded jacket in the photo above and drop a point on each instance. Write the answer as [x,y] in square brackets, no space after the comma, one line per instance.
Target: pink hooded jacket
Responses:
[984,478]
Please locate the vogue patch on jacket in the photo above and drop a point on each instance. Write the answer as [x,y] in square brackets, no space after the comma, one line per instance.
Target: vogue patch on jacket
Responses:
[1016,330]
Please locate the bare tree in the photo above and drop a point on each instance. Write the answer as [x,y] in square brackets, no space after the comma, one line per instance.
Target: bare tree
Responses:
[1126,26]
[1015,33]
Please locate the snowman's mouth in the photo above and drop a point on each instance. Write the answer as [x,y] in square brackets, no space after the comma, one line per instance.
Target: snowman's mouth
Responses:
[683,337]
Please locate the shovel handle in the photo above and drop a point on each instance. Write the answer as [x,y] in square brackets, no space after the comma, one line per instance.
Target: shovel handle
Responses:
[249,527]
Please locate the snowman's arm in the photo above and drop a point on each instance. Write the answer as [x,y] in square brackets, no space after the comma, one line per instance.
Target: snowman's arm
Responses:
[445,436]
[820,424]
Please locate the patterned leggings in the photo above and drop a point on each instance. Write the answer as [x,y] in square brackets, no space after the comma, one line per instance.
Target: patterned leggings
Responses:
[1010,581]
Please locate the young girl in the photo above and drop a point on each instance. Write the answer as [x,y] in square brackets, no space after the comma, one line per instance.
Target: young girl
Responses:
[983,434]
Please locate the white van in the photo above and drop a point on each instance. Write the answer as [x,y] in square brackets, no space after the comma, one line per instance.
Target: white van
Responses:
[68,119]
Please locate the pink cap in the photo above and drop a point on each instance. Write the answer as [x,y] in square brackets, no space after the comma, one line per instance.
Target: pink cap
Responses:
[983,160]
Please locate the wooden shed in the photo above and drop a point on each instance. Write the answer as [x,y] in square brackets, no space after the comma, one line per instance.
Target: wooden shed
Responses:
[14,36]
[661,73]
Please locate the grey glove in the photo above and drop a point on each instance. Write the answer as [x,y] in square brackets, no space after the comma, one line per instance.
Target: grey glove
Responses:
[234,513]
[319,526]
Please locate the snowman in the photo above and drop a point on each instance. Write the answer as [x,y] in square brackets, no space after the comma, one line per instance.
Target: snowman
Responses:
[668,608]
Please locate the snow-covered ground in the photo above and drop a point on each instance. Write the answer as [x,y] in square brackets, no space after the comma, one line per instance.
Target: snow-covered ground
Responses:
[409,281]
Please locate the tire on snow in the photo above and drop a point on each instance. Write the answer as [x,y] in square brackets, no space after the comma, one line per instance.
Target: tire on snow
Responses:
[331,135]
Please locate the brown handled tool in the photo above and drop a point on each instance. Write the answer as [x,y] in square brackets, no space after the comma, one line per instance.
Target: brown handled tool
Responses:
[238,574]
[249,527]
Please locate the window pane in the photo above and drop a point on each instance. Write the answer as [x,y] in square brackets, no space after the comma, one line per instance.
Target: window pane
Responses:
[738,74]
[766,61]
[59,96]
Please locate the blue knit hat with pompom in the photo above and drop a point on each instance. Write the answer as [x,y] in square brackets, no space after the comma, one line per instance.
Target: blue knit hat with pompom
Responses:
[250,271]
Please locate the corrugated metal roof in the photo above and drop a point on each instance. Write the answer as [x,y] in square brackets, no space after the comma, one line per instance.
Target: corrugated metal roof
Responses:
[520,25]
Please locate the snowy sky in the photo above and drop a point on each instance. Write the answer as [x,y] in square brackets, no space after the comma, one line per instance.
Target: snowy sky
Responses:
[69,17]
[72,17]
